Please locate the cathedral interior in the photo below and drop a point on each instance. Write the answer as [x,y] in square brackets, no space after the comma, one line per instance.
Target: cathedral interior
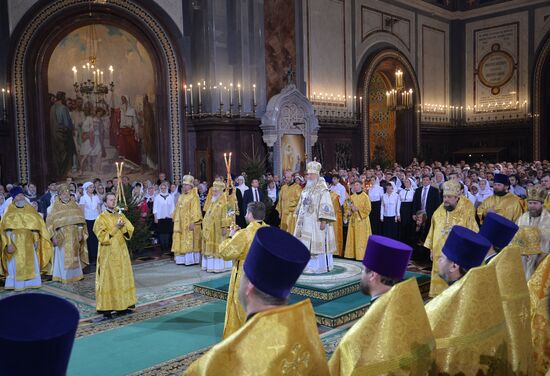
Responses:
[221,89]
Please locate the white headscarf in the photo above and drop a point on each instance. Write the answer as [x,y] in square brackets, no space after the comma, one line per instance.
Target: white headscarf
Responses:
[86,185]
[242,187]
[483,194]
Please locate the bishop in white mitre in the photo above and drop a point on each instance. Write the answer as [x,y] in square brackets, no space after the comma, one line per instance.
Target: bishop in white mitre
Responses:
[314,221]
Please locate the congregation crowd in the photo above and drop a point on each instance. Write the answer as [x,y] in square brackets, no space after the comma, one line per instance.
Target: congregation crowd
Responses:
[466,222]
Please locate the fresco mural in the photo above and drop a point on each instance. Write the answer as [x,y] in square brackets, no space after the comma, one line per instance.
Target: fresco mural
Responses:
[89,131]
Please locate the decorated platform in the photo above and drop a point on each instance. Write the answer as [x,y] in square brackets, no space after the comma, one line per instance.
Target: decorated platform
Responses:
[336,296]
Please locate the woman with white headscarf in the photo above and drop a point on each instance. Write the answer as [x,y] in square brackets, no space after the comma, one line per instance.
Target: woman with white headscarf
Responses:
[91,206]
[484,192]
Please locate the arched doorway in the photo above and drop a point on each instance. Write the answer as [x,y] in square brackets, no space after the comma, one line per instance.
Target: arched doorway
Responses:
[387,135]
[35,39]
[541,103]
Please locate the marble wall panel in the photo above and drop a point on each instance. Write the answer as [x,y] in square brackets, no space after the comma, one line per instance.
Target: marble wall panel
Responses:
[324,47]
[509,34]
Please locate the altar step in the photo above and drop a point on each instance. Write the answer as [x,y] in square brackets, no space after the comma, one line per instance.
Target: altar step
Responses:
[335,296]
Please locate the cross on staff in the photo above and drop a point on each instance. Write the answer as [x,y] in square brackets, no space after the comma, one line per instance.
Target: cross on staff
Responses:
[120,196]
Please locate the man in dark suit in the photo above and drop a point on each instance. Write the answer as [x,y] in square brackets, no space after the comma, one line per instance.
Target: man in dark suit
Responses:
[45,201]
[426,198]
[253,194]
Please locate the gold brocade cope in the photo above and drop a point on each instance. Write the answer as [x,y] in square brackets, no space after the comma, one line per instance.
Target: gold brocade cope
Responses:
[468,323]
[289,196]
[315,205]
[516,306]
[394,337]
[28,234]
[509,206]
[281,341]
[338,224]
[115,288]
[539,286]
[359,228]
[442,223]
[547,202]
[187,212]
[67,224]
[236,249]
[220,215]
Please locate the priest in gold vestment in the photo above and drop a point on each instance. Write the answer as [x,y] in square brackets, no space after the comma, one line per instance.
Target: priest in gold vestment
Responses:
[501,202]
[236,248]
[277,339]
[453,211]
[536,216]
[395,324]
[289,195]
[338,225]
[25,246]
[539,290]
[67,226]
[186,243]
[357,209]
[114,288]
[467,319]
[219,216]
[314,215]
[499,231]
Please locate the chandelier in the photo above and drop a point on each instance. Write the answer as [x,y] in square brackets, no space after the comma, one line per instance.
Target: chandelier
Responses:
[400,98]
[91,82]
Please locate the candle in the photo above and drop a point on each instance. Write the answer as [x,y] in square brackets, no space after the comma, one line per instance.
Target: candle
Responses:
[231,94]
[239,95]
[221,95]
[3,99]
[200,101]
[111,73]
[191,95]
[102,77]
[185,95]
[74,74]
[360,105]
[254,95]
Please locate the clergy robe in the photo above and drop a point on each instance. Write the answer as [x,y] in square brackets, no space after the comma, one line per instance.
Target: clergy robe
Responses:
[539,289]
[509,206]
[442,223]
[186,243]
[289,195]
[236,249]
[315,205]
[397,327]
[338,224]
[115,289]
[219,216]
[541,222]
[67,225]
[359,228]
[468,323]
[25,229]
[547,202]
[279,341]
[516,307]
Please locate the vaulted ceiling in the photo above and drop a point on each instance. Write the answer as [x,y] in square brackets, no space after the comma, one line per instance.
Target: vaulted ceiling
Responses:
[461,5]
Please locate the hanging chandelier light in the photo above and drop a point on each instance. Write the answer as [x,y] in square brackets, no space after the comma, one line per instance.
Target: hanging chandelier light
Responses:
[90,82]
[400,98]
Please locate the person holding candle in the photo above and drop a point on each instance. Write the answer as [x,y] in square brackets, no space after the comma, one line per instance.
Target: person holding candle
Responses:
[220,214]
[115,288]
